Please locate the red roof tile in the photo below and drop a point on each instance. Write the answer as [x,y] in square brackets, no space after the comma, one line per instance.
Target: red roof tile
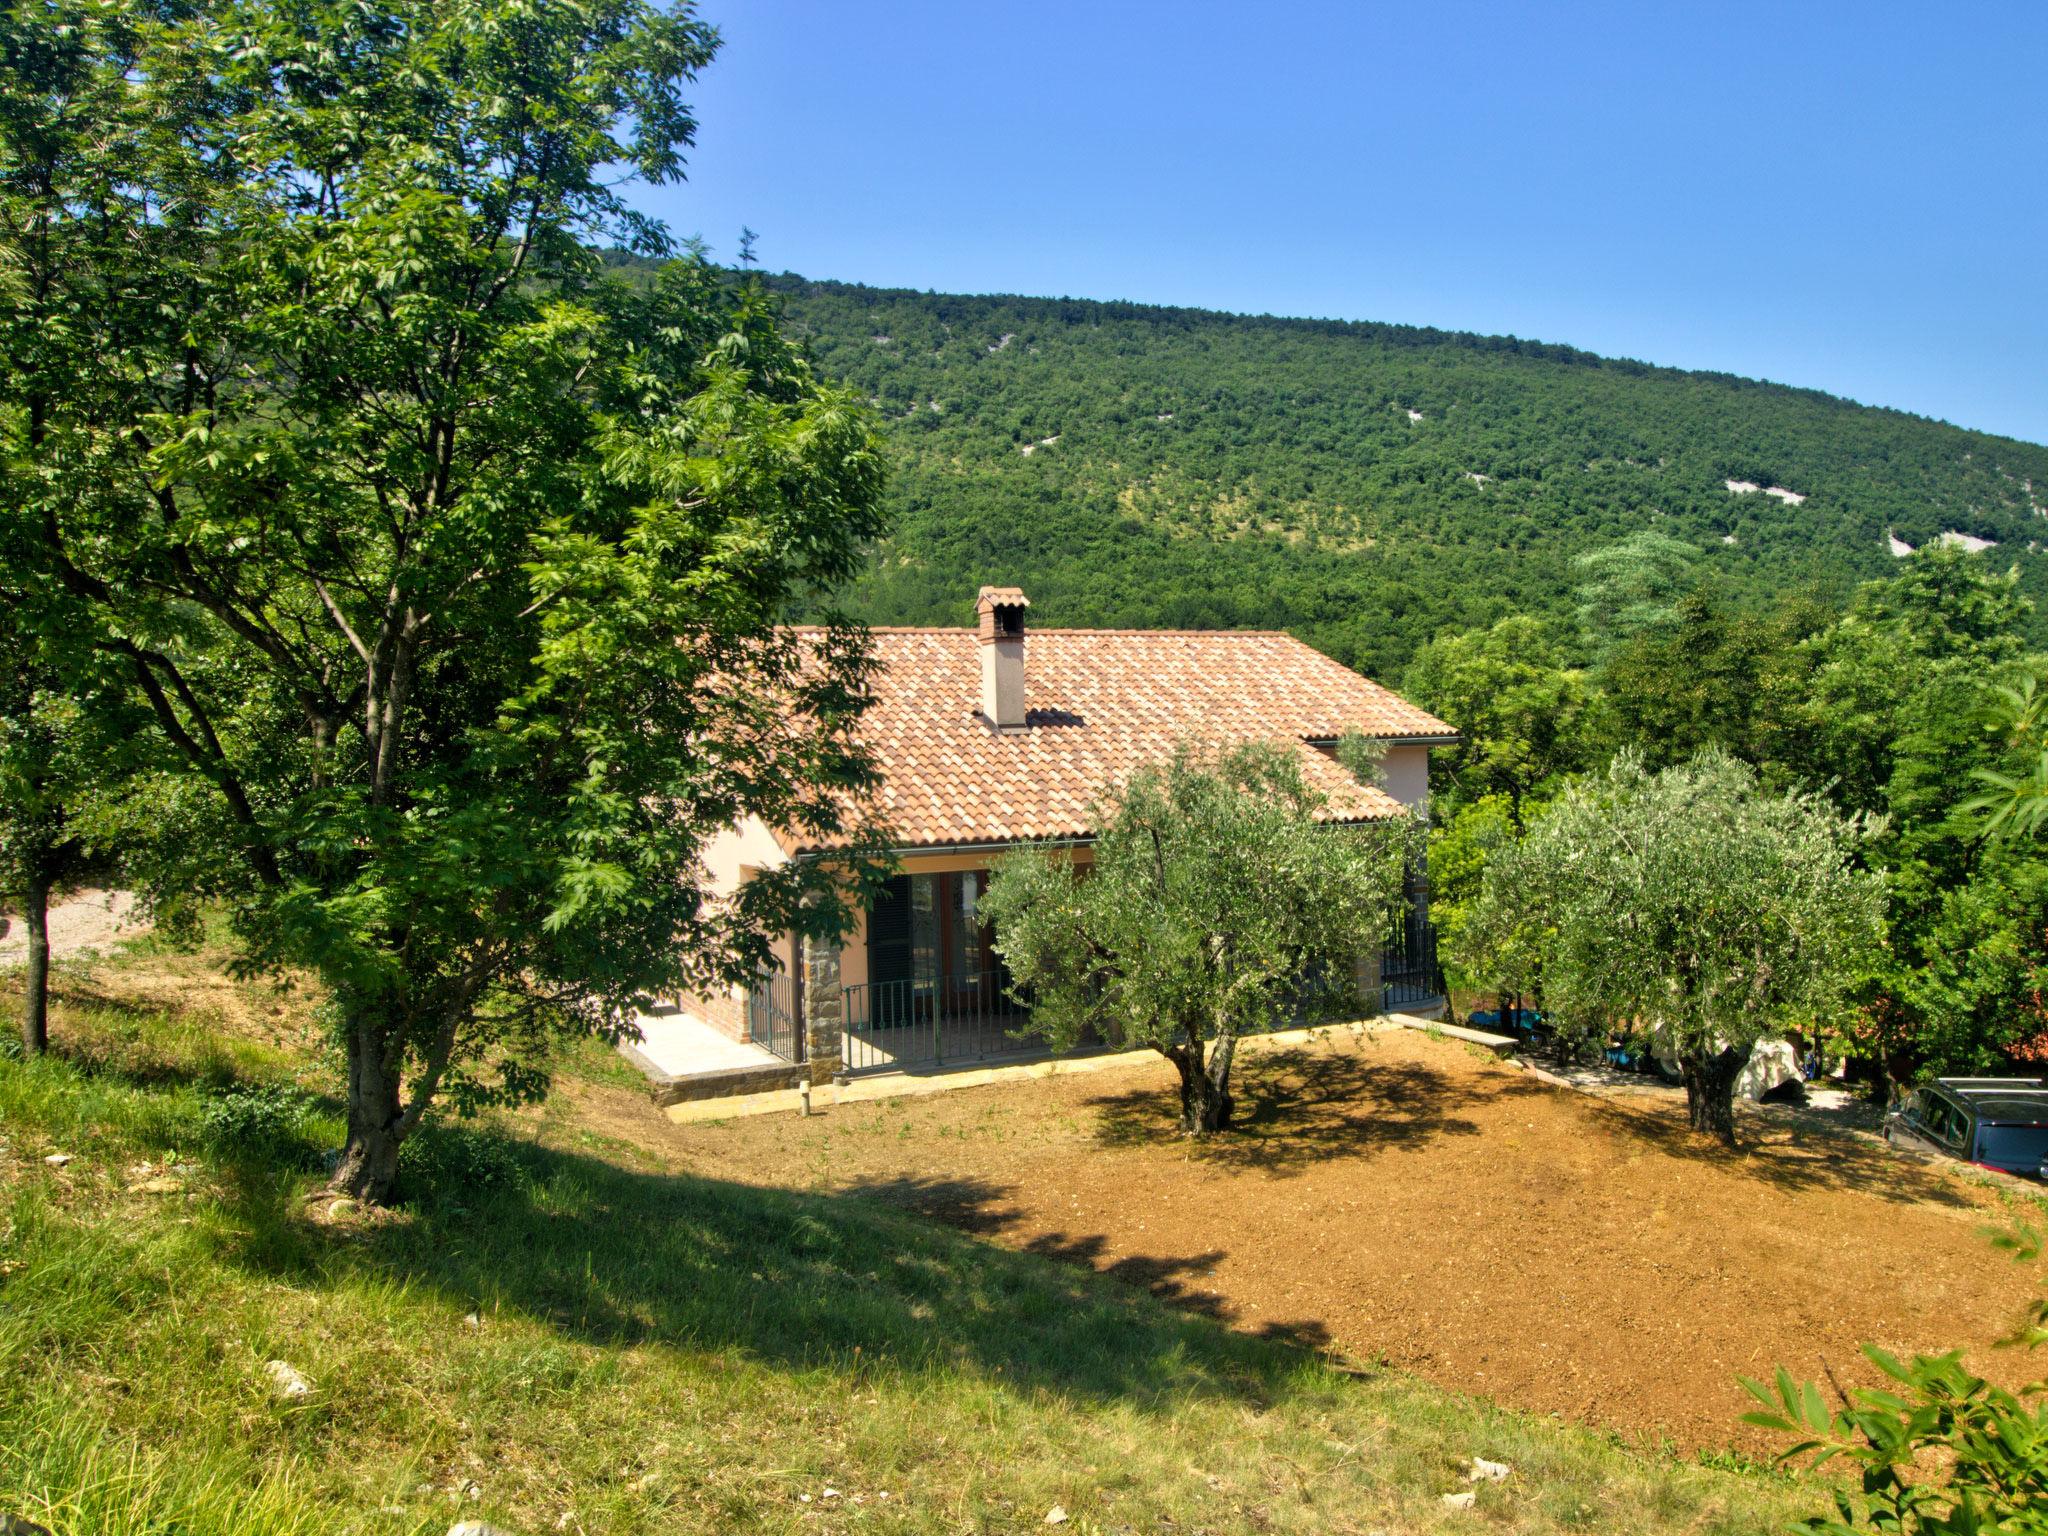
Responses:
[1100,704]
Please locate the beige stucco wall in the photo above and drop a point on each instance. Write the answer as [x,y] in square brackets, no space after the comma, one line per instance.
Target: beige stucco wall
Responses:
[1405,773]
[730,858]
[736,851]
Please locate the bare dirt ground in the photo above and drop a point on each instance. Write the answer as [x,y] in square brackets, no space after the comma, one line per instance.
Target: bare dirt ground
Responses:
[1394,1196]
[88,919]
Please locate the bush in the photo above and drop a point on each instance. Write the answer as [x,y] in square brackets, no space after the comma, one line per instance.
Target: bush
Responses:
[1979,1452]
[441,1162]
[262,1120]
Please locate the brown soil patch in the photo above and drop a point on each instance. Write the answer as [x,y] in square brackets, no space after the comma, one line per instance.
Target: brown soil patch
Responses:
[1399,1197]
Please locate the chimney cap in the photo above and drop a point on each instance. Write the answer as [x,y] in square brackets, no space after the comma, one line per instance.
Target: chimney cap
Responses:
[1001,597]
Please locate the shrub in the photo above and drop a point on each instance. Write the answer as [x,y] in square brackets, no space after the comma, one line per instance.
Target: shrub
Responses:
[263,1120]
[1979,1452]
[441,1162]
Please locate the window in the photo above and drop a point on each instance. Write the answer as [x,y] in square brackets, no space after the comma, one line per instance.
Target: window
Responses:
[2018,1149]
[926,941]
[1945,1122]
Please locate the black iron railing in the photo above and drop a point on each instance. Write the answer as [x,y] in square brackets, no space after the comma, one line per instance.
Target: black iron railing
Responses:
[771,1018]
[919,1023]
[1409,977]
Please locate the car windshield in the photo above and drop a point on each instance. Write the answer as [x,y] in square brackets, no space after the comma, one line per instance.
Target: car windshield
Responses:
[2019,1148]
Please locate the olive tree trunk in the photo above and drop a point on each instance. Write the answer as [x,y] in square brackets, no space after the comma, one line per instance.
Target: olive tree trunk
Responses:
[1710,1090]
[1205,1101]
[35,1015]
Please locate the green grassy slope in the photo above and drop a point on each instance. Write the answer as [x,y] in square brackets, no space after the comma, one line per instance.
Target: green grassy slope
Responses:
[556,1334]
[1209,469]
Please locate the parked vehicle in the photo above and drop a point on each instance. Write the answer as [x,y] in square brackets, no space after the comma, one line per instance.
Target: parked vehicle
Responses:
[1994,1122]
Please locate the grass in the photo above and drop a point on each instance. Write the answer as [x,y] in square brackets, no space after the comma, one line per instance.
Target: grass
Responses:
[552,1335]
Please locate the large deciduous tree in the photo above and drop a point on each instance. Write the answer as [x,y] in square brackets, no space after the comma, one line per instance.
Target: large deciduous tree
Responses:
[1523,712]
[449,566]
[1216,904]
[1688,903]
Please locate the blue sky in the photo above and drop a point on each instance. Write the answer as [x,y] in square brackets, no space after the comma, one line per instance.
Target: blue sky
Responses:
[1849,197]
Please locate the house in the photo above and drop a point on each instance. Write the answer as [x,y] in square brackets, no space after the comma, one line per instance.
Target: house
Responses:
[1001,735]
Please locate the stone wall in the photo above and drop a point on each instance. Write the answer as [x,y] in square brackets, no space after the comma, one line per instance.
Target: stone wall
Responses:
[824,1009]
[1365,972]
[726,1084]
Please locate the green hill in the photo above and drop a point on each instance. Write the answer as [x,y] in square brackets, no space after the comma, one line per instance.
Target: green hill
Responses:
[1363,485]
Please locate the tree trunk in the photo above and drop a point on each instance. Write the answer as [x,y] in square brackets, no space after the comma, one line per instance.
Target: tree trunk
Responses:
[369,1158]
[1204,1107]
[1205,1101]
[35,1017]
[1710,1091]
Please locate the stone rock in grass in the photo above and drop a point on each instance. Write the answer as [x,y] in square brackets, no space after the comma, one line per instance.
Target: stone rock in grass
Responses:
[1057,1515]
[21,1525]
[287,1382]
[1463,1500]
[1484,1471]
[58,1159]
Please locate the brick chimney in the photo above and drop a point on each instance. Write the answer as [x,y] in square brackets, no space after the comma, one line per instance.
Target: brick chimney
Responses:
[1000,611]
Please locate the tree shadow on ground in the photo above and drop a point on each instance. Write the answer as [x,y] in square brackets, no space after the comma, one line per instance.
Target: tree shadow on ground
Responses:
[803,1281]
[983,1208]
[1302,1105]
[1785,1156]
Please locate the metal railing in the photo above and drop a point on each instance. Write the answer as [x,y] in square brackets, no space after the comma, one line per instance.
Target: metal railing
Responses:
[1409,977]
[771,1017]
[918,1023]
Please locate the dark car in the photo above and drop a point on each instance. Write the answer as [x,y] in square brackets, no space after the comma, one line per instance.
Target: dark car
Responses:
[1995,1122]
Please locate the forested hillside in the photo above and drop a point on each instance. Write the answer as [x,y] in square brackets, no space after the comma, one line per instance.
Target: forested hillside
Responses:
[1366,486]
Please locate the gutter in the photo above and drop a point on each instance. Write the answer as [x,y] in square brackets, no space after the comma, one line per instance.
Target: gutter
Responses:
[1450,739]
[997,845]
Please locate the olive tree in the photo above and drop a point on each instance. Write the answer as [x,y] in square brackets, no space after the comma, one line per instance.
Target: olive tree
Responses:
[1217,903]
[448,568]
[1688,903]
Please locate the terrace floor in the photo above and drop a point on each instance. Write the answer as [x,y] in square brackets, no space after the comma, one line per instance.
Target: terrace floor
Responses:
[681,1045]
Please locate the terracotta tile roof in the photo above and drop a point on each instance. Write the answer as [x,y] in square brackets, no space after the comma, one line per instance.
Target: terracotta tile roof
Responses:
[1100,704]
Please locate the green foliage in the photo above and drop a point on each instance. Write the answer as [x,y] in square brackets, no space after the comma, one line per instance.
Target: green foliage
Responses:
[1692,681]
[1524,713]
[1942,1453]
[2012,802]
[1689,904]
[1632,586]
[1216,904]
[1462,845]
[1974,980]
[448,566]
[1215,470]
[457,1164]
[1363,757]
[260,1120]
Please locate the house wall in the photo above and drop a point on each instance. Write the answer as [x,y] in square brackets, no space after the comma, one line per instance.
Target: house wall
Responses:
[731,858]
[1405,773]
[737,851]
